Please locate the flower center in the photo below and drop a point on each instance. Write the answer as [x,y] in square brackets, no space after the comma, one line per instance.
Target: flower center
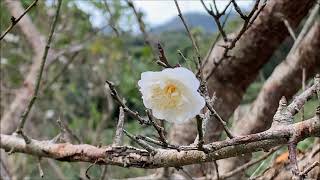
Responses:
[170,89]
[167,97]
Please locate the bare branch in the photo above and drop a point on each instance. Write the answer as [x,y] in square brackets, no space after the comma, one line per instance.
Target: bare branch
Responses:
[38,80]
[112,22]
[194,43]
[291,31]
[117,140]
[14,20]
[307,25]
[237,8]
[217,116]
[65,130]
[141,26]
[163,61]
[132,157]
[249,164]
[216,39]
[216,19]
[244,166]
[158,128]
[144,145]
[300,100]
[41,174]
[248,20]
[308,169]
[61,72]
[131,113]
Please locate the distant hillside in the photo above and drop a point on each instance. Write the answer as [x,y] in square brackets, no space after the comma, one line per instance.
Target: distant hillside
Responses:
[200,20]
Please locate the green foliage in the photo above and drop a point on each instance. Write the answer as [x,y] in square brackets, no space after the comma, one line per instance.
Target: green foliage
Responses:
[78,96]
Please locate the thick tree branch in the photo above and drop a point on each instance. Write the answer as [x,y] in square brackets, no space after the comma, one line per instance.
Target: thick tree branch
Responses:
[263,108]
[132,157]
[252,51]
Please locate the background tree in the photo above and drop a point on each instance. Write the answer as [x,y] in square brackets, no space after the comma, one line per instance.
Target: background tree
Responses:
[263,53]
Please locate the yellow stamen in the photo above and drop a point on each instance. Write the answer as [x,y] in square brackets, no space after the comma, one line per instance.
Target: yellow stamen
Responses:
[169,89]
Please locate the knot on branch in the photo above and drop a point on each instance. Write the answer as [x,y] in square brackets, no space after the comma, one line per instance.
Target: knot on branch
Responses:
[13,20]
[282,116]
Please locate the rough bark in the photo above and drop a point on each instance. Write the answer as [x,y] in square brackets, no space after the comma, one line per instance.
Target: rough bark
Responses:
[127,156]
[284,81]
[252,51]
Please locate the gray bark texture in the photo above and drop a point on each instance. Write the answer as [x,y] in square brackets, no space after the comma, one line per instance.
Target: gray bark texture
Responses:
[285,81]
[252,51]
[233,76]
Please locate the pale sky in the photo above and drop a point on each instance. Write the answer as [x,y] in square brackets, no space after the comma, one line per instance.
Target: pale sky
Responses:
[158,11]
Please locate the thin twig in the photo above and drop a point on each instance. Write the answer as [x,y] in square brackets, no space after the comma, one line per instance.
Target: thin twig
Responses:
[117,140]
[290,30]
[216,167]
[38,80]
[163,61]
[104,172]
[307,25]
[112,22]
[141,143]
[181,54]
[186,173]
[105,117]
[133,114]
[14,21]
[200,132]
[216,18]
[248,164]
[308,169]
[159,143]
[41,174]
[207,115]
[87,170]
[230,43]
[237,8]
[59,74]
[216,40]
[66,130]
[158,128]
[141,26]
[194,43]
[218,117]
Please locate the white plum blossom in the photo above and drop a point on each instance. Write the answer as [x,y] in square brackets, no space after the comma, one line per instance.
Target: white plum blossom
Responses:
[171,94]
